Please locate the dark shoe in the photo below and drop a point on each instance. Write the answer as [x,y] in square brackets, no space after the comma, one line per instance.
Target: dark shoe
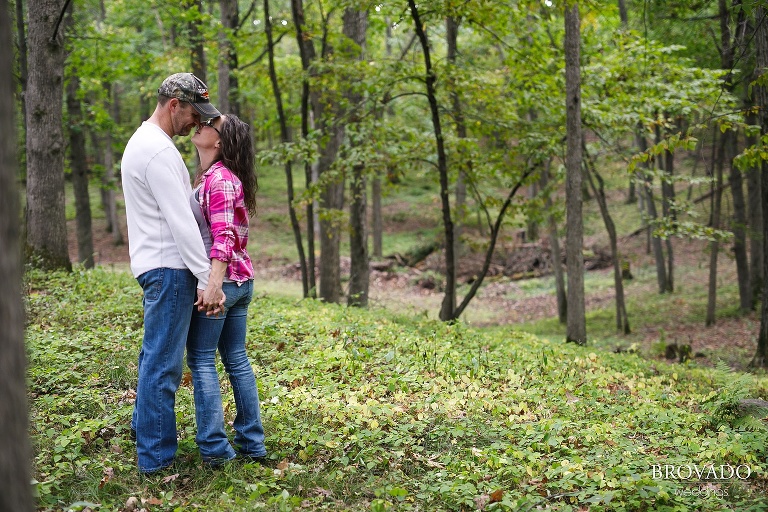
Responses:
[215,462]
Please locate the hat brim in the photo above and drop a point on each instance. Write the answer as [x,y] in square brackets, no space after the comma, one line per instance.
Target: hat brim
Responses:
[206,110]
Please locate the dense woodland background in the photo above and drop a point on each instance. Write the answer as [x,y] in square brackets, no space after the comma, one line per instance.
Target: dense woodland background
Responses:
[472,141]
[352,98]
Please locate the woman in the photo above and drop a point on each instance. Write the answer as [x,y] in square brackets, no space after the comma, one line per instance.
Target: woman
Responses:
[223,198]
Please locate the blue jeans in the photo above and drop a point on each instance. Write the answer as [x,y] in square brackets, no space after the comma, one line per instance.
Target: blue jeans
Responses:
[227,332]
[169,296]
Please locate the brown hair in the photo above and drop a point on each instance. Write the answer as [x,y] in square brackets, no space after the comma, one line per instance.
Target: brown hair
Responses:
[238,155]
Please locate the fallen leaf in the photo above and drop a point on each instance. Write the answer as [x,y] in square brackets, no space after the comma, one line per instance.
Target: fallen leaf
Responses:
[115,449]
[170,478]
[108,474]
[497,496]
[154,501]
[186,379]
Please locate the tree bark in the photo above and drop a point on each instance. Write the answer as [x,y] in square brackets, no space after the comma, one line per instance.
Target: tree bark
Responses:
[667,198]
[228,86]
[46,221]
[755,212]
[196,41]
[622,320]
[21,41]
[15,472]
[576,329]
[307,53]
[728,43]
[658,251]
[451,36]
[761,56]
[623,13]
[714,246]
[285,138]
[108,181]
[448,306]
[557,257]
[355,28]
[79,174]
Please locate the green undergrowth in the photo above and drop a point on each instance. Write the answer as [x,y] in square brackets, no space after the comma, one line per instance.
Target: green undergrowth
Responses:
[368,411]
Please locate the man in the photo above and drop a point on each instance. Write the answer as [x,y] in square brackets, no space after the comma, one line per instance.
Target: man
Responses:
[168,258]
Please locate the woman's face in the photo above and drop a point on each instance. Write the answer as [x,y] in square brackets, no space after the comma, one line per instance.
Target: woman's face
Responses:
[208,134]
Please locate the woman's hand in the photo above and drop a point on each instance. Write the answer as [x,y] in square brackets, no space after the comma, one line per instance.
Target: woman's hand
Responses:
[211,300]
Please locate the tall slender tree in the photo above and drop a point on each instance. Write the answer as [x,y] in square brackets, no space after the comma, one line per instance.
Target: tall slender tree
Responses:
[15,474]
[761,56]
[355,28]
[576,329]
[79,169]
[448,306]
[45,216]
[285,138]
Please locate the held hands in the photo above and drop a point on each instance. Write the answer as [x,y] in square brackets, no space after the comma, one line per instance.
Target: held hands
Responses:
[211,300]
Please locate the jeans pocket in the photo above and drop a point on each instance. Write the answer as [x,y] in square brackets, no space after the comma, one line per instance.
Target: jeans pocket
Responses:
[152,283]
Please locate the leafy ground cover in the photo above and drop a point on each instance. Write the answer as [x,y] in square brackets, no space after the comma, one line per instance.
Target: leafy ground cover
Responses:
[366,410]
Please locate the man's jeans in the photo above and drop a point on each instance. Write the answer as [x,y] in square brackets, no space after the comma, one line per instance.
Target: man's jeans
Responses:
[227,332]
[169,297]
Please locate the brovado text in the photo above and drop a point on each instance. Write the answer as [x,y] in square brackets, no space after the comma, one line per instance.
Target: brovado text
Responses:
[696,472]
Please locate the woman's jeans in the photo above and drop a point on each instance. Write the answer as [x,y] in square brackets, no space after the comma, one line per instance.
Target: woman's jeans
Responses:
[169,296]
[227,332]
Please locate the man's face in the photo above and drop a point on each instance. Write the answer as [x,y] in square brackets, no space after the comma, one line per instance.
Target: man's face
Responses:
[184,117]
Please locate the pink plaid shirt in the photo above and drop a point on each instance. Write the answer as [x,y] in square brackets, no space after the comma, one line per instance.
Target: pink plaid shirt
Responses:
[223,205]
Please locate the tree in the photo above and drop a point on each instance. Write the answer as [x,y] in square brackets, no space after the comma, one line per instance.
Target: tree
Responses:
[761,52]
[355,27]
[46,221]
[79,169]
[285,138]
[448,307]
[577,323]
[15,474]
[228,87]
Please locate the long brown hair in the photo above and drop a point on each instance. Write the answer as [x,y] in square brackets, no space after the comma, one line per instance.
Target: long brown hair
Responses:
[238,155]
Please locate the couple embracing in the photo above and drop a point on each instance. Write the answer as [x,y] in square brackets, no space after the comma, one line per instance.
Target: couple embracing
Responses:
[188,252]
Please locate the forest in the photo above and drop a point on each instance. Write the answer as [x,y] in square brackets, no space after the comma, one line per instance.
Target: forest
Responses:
[509,255]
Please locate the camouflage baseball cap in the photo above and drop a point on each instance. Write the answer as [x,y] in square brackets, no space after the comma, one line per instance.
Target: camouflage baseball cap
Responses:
[187,87]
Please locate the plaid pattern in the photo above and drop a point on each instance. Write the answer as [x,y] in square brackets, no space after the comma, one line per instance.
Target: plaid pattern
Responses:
[223,205]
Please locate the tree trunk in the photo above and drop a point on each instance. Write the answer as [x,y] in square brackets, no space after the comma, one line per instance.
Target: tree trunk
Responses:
[228,93]
[448,307]
[576,329]
[79,174]
[658,251]
[739,231]
[21,40]
[755,212]
[451,36]
[557,257]
[46,221]
[714,246]
[623,13]
[622,320]
[108,181]
[285,138]
[307,53]
[668,198]
[15,473]
[761,57]
[355,27]
[196,41]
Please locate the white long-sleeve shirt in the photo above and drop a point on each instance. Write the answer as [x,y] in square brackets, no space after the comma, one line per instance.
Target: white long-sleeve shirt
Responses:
[162,231]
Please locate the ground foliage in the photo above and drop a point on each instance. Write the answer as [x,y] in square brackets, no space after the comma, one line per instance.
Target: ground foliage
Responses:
[368,411]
